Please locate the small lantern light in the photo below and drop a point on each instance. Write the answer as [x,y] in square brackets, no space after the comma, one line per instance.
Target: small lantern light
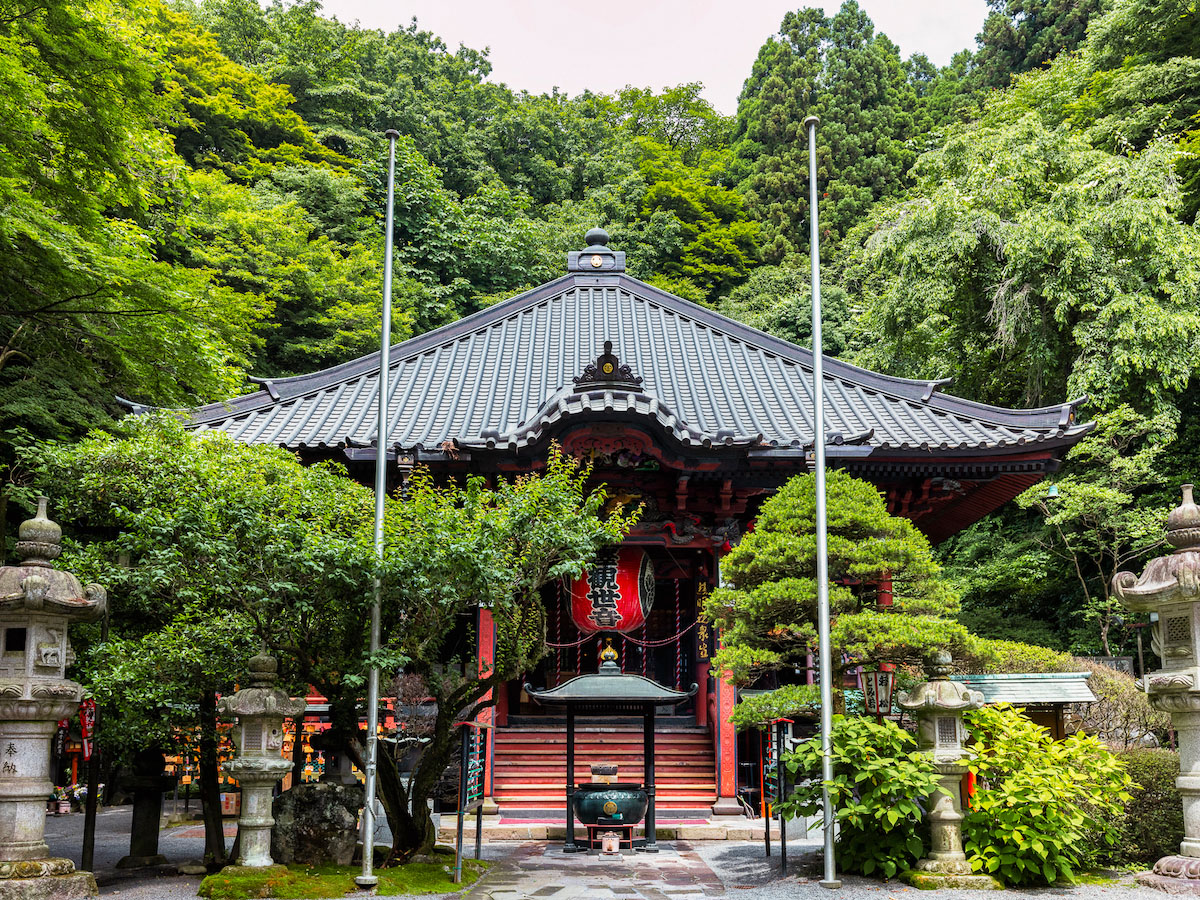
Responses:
[877,690]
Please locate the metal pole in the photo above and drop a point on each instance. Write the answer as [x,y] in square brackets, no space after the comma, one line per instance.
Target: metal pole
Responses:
[368,878]
[650,845]
[781,792]
[764,752]
[830,880]
[463,765]
[569,846]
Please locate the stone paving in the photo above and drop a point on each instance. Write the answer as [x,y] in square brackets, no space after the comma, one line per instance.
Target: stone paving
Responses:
[538,871]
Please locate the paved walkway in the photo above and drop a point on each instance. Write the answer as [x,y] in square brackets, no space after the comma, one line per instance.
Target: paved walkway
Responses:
[539,870]
[543,872]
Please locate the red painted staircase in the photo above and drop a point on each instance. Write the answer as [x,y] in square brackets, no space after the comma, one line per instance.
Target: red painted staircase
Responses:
[529,774]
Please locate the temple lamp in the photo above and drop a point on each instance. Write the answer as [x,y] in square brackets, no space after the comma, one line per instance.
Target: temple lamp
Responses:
[877,690]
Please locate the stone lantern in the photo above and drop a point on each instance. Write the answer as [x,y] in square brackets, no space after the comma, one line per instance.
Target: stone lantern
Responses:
[37,602]
[1170,586]
[260,710]
[938,705]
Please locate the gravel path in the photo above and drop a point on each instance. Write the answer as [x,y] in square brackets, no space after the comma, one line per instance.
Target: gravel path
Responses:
[742,868]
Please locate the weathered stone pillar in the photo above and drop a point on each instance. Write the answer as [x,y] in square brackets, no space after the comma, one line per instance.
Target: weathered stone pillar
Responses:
[1170,586]
[260,710]
[938,706]
[148,784]
[36,603]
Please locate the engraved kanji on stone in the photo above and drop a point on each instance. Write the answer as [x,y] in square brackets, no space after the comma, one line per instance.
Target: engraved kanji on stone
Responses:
[11,749]
[9,768]
[603,593]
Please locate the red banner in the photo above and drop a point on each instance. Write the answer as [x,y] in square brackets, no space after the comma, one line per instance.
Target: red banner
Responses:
[87,725]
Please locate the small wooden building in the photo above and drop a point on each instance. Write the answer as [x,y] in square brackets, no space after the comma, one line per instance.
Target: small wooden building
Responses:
[1044,696]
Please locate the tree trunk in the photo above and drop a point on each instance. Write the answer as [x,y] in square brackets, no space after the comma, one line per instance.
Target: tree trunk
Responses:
[210,788]
[389,790]
[418,834]
[434,760]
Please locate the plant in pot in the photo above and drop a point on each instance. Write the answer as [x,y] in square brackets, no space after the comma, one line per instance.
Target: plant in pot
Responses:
[62,800]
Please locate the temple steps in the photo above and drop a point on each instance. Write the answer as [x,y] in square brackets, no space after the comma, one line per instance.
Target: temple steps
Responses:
[530,764]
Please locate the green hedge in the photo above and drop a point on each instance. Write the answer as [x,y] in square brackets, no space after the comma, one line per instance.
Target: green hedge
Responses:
[1152,825]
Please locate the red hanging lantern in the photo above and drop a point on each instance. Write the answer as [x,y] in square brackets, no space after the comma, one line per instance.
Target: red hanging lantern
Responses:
[615,593]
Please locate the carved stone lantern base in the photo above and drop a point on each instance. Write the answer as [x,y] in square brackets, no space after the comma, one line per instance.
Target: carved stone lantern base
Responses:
[932,881]
[45,879]
[1174,875]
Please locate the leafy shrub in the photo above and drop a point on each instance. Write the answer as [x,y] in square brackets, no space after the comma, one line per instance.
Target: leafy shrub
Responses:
[1042,805]
[879,783]
[1152,824]
[1015,657]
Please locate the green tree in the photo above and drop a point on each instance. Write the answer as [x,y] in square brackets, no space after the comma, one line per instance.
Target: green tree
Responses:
[87,182]
[453,550]
[193,536]
[852,78]
[715,244]
[324,295]
[778,300]
[209,546]
[1030,266]
[769,141]
[768,605]
[1020,35]
[1109,508]
[678,117]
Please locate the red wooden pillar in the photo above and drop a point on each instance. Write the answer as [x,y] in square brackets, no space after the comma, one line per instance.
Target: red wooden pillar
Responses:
[486,655]
[885,589]
[726,735]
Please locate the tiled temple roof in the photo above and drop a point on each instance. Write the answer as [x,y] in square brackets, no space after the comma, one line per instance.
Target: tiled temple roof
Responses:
[504,376]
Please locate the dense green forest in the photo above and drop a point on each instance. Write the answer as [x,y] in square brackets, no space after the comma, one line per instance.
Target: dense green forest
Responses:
[192,193]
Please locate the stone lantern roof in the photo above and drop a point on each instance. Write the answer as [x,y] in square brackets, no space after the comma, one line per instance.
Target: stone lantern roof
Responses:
[35,586]
[261,698]
[1167,578]
[940,693]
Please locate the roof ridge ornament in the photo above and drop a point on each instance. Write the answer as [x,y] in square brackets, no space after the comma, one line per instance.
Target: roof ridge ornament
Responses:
[608,371]
[596,257]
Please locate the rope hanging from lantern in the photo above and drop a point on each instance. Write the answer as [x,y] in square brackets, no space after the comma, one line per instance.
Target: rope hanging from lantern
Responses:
[572,644]
[678,639]
[642,645]
[664,641]
[659,643]
[558,630]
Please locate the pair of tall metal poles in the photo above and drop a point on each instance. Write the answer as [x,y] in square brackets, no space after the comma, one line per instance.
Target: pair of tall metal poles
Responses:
[368,878]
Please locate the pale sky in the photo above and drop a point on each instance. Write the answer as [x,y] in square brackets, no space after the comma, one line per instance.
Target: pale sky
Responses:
[539,44]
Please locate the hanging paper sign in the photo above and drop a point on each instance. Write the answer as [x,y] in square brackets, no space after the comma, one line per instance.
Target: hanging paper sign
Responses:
[877,691]
[87,725]
[615,593]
